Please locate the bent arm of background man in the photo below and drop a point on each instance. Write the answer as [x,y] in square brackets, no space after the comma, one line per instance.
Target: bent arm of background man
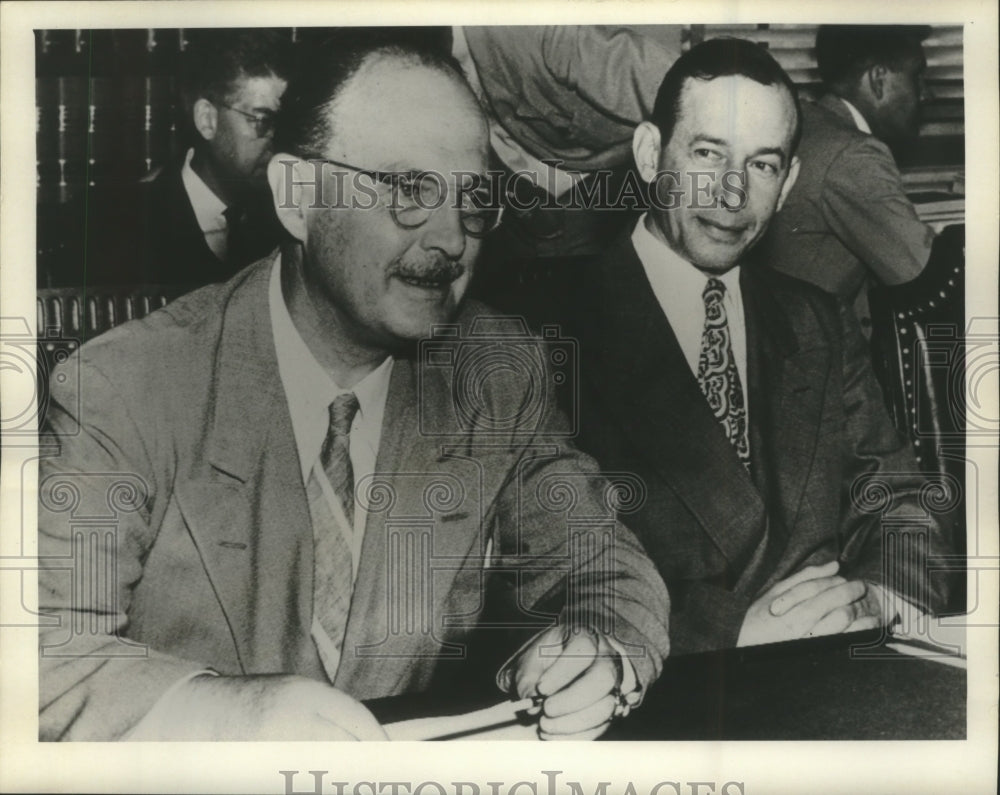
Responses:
[864,204]
[616,69]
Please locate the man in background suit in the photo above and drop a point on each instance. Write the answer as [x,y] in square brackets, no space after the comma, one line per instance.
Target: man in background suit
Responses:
[200,219]
[742,398]
[848,224]
[276,446]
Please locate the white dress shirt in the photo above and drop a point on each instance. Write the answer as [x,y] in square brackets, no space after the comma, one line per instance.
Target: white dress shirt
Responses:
[208,208]
[859,121]
[309,392]
[678,286]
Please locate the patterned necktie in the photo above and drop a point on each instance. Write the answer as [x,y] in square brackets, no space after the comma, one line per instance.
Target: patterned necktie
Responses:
[717,374]
[333,568]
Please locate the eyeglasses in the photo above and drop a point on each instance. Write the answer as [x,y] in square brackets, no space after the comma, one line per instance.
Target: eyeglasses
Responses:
[416,195]
[263,124]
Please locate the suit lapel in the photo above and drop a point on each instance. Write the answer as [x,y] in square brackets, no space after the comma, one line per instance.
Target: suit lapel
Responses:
[788,385]
[369,621]
[426,504]
[658,404]
[247,510]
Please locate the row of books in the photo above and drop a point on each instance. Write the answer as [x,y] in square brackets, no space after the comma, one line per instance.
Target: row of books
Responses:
[104,106]
[90,131]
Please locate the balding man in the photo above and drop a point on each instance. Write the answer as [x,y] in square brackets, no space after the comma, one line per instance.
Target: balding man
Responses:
[313,521]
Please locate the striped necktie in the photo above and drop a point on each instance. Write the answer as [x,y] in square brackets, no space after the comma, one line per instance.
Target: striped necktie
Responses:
[333,577]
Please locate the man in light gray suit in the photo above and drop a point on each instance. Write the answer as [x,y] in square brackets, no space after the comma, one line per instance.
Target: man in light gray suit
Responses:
[848,224]
[307,510]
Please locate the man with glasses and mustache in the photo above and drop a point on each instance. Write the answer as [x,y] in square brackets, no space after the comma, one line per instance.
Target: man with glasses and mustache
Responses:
[310,525]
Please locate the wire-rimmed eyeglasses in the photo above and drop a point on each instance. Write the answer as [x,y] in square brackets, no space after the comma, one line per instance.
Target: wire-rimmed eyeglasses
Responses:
[416,195]
[263,123]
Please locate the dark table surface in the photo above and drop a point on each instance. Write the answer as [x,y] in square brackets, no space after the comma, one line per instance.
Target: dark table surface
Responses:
[845,687]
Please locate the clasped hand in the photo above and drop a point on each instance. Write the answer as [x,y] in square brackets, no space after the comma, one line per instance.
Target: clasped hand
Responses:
[577,673]
[814,601]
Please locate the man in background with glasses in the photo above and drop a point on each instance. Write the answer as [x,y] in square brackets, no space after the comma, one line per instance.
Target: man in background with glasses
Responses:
[321,512]
[203,217]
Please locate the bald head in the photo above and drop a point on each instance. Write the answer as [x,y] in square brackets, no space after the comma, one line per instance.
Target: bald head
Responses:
[374,262]
[313,110]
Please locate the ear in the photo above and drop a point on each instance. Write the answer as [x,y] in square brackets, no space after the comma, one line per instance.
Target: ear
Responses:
[206,118]
[793,174]
[874,80]
[646,150]
[294,187]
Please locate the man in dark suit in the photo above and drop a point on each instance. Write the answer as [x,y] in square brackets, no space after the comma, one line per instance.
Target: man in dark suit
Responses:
[848,224]
[304,511]
[740,397]
[201,218]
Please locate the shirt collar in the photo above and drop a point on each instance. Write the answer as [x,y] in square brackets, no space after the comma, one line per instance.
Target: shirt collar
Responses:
[208,208]
[859,120]
[309,390]
[653,253]
[679,289]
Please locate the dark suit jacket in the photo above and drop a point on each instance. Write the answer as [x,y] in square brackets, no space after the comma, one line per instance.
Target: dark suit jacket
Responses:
[147,233]
[177,437]
[719,536]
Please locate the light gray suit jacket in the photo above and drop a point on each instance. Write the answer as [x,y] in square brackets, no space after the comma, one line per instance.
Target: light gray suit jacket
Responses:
[847,224]
[175,534]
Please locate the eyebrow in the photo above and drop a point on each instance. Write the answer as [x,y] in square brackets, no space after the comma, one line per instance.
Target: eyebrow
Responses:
[709,140]
[771,150]
[400,168]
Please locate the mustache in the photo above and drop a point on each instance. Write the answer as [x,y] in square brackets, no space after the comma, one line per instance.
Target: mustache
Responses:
[439,269]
